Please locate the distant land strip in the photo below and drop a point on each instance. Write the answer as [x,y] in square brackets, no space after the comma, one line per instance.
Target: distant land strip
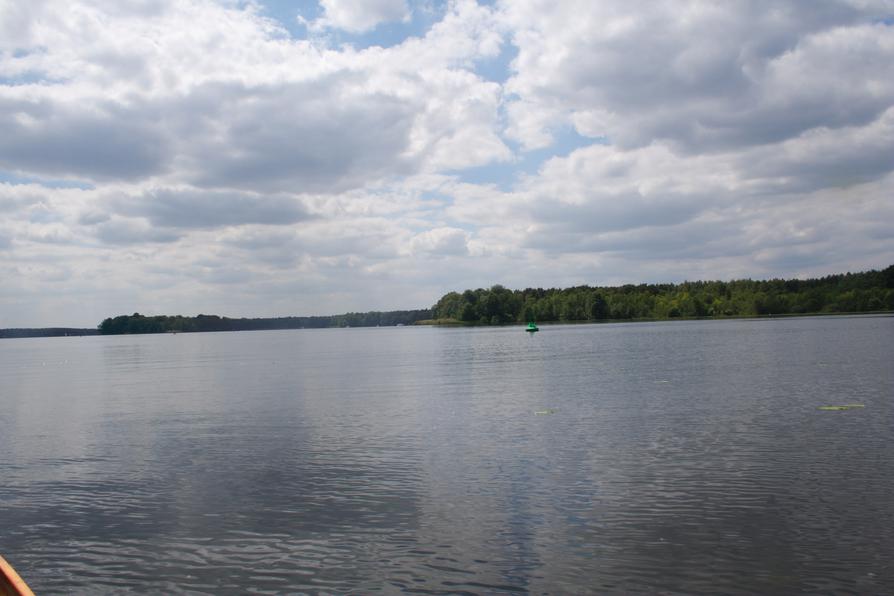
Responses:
[47,332]
[865,292]
[137,323]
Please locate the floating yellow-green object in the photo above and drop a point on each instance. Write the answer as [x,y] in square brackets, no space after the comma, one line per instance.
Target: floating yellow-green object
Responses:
[545,412]
[844,407]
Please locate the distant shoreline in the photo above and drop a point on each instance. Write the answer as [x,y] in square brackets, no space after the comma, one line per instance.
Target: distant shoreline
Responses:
[455,323]
[868,292]
[77,332]
[47,332]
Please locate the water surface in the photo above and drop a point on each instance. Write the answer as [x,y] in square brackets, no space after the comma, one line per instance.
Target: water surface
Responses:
[683,457]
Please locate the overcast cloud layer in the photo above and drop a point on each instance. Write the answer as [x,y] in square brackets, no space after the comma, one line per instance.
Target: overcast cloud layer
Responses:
[245,159]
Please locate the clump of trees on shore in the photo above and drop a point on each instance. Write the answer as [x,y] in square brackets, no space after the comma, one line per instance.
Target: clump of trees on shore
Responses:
[137,323]
[852,292]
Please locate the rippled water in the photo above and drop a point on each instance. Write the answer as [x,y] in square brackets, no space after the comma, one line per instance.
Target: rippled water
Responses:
[684,457]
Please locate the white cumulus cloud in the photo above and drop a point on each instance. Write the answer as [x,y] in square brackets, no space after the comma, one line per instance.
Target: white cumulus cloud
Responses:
[358,17]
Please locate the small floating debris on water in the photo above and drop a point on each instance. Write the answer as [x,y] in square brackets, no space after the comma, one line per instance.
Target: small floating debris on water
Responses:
[545,412]
[844,407]
[657,382]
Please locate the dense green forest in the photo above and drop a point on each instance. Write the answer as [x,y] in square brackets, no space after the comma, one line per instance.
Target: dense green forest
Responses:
[846,293]
[137,323]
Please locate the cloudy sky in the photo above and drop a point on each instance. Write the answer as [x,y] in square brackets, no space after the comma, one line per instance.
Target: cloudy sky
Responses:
[265,158]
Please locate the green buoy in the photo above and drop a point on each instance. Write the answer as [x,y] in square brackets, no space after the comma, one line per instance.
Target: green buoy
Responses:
[532,328]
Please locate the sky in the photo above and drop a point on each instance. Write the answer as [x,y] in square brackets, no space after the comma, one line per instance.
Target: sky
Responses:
[273,158]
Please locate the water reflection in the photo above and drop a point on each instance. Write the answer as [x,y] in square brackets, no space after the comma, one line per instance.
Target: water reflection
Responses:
[684,457]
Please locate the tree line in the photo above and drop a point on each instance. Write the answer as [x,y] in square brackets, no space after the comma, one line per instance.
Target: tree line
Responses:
[137,323]
[868,291]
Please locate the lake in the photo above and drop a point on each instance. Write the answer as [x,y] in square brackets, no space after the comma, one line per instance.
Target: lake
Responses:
[684,457]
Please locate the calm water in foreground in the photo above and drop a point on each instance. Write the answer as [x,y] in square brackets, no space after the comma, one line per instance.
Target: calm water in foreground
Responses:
[684,457]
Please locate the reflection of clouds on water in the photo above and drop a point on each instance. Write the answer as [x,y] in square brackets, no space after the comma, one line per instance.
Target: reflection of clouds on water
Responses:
[685,456]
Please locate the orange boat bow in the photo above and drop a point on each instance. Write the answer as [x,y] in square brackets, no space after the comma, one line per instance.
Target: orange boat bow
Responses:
[10,582]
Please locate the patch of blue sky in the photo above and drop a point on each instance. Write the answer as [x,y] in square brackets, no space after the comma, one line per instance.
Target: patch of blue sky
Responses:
[497,68]
[286,12]
[15,179]
[423,14]
[25,52]
[26,78]
[505,175]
